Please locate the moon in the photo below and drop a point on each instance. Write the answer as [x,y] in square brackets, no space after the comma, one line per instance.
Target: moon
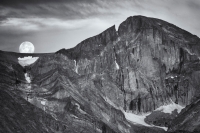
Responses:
[26,47]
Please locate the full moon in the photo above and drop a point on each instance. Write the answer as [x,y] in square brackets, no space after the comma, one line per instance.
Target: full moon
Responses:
[26,47]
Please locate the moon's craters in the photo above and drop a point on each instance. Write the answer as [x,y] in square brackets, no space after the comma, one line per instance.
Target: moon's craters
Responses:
[26,47]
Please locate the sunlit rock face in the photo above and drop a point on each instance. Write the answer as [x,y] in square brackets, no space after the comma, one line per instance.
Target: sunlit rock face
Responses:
[138,68]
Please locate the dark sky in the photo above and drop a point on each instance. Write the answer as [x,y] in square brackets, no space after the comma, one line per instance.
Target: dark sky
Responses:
[54,24]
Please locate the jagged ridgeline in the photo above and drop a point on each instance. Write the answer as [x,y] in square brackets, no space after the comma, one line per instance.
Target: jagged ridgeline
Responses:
[90,88]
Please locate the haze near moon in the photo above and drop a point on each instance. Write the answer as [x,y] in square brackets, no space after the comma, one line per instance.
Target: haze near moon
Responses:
[26,47]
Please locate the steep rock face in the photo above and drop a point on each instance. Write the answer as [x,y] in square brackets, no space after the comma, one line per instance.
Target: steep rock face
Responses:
[159,118]
[58,82]
[88,101]
[156,57]
[187,120]
[148,59]
[91,46]
[10,73]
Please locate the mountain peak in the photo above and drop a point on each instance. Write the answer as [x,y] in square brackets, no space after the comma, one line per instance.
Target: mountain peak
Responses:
[91,46]
[132,25]
[138,23]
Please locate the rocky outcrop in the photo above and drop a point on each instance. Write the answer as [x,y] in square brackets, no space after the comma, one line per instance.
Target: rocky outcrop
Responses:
[159,118]
[187,120]
[92,46]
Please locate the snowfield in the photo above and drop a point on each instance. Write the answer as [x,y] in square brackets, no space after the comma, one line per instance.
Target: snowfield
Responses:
[26,61]
[170,107]
[139,119]
[136,119]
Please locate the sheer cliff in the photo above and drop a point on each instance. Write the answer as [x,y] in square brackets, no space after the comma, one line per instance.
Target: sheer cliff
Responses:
[147,58]
[188,120]
[143,65]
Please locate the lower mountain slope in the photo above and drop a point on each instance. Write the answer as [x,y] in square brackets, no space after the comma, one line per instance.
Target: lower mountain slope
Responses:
[19,116]
[188,120]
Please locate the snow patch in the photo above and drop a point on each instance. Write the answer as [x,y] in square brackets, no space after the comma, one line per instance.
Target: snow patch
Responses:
[189,51]
[139,119]
[172,77]
[76,67]
[26,61]
[43,102]
[106,116]
[28,79]
[101,53]
[170,107]
[83,112]
[117,66]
